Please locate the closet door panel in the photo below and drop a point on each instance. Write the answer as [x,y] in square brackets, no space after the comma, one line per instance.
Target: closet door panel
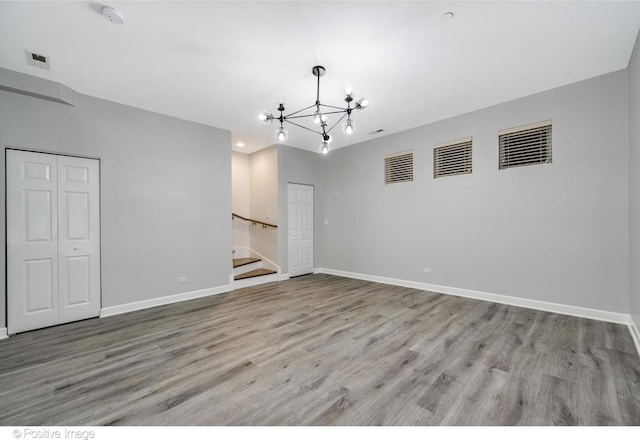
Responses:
[32,261]
[79,238]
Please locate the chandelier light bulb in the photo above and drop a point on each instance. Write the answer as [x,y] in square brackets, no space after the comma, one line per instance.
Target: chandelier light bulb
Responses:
[266,117]
[362,104]
[324,148]
[318,117]
[348,91]
[349,126]
[282,134]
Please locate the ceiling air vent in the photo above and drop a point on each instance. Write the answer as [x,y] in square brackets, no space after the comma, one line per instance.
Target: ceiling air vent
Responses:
[398,167]
[452,158]
[37,60]
[525,145]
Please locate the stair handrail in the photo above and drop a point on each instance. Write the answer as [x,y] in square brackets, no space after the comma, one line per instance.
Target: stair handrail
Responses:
[253,221]
[278,269]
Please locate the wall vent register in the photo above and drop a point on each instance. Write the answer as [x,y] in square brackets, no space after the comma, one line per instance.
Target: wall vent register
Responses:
[398,167]
[525,145]
[452,158]
[38,60]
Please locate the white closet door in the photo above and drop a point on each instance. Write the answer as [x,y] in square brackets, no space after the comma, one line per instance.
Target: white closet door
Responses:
[300,234]
[53,240]
[78,238]
[32,229]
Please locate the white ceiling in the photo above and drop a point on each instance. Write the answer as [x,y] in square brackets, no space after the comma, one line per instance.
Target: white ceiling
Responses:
[221,63]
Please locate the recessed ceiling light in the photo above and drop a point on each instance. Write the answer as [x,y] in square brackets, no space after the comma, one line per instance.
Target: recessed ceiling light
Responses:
[447,16]
[240,144]
[379,130]
[112,15]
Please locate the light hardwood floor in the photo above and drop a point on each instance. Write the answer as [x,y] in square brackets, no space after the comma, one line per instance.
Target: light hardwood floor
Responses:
[323,350]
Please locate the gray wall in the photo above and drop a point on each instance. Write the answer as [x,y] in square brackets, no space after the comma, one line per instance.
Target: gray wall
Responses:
[264,201]
[305,167]
[240,197]
[165,191]
[556,233]
[634,181]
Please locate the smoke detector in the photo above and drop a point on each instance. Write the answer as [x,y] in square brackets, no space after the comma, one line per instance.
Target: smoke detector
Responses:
[448,16]
[112,15]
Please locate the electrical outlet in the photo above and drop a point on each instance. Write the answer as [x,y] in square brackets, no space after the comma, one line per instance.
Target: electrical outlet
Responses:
[182,279]
[426,270]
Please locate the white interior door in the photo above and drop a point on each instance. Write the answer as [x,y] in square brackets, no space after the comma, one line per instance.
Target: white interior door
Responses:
[32,238]
[53,240]
[78,238]
[300,234]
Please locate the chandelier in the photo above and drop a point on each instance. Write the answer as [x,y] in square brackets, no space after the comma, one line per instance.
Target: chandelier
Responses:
[319,113]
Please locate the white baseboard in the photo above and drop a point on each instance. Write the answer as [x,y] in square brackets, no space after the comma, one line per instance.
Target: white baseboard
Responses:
[283,277]
[581,312]
[3,333]
[164,300]
[635,334]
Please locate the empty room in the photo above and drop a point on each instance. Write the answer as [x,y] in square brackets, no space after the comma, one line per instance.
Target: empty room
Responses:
[304,213]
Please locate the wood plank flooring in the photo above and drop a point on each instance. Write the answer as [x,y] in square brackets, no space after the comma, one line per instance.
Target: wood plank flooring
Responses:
[323,350]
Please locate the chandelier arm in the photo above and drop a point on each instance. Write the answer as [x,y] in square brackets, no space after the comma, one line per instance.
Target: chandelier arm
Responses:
[333,106]
[335,112]
[299,117]
[306,128]
[301,110]
[286,118]
[337,122]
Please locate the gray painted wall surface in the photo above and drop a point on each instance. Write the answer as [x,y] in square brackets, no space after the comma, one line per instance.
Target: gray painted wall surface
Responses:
[634,182]
[304,167]
[556,233]
[165,191]
[240,197]
[264,202]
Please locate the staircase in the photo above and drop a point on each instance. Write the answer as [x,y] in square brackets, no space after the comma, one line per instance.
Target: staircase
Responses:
[251,268]
[249,271]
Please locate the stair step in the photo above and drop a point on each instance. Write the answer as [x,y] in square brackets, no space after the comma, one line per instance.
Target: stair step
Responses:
[254,273]
[237,262]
